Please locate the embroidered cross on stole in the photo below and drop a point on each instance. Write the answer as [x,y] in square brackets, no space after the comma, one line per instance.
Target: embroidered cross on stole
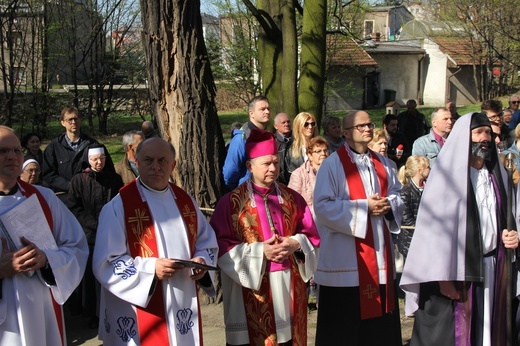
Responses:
[369,293]
[261,322]
[28,190]
[151,321]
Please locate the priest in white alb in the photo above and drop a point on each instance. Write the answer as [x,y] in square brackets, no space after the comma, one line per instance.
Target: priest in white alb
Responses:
[34,283]
[148,298]
[268,250]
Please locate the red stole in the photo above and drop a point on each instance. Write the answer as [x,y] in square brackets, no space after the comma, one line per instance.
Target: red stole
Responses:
[369,293]
[28,190]
[140,230]
[261,323]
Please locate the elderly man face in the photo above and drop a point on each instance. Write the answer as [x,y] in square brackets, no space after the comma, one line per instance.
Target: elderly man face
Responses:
[11,156]
[514,102]
[264,169]
[282,124]
[155,162]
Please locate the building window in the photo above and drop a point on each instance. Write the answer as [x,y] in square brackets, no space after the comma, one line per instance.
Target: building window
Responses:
[18,74]
[369,27]
[16,40]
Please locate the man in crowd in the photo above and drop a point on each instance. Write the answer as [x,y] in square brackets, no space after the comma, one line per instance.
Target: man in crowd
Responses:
[412,123]
[357,205]
[148,130]
[63,156]
[398,148]
[127,166]
[148,296]
[34,282]
[452,107]
[514,101]
[430,145]
[234,170]
[268,250]
[283,135]
[459,298]
[493,110]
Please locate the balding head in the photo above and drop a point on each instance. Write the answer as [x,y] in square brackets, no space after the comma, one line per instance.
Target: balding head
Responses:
[358,130]
[11,158]
[155,162]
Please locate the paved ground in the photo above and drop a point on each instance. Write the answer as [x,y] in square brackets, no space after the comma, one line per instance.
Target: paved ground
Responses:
[213,327]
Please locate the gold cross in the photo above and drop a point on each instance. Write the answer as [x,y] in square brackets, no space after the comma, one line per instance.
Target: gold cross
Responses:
[369,291]
[188,213]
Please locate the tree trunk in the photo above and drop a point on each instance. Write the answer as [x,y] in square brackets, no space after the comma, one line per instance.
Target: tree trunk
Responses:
[183,94]
[313,58]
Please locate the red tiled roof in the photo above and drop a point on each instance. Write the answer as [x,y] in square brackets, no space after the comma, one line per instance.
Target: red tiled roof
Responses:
[346,52]
[459,49]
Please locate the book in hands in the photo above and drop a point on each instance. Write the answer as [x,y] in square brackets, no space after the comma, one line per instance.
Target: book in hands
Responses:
[191,264]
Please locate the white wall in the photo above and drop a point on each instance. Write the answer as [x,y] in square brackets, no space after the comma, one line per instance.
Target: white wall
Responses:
[399,73]
[435,84]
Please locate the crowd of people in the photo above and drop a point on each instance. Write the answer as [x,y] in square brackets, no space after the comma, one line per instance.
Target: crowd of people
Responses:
[129,249]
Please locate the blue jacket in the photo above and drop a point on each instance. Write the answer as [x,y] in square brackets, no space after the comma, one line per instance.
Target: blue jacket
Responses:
[427,146]
[234,170]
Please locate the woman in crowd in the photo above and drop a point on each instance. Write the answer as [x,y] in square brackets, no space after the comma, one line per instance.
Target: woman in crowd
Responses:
[304,129]
[31,171]
[412,176]
[332,133]
[89,191]
[31,142]
[303,178]
[379,144]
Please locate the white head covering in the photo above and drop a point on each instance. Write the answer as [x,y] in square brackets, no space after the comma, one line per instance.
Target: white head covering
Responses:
[30,161]
[96,151]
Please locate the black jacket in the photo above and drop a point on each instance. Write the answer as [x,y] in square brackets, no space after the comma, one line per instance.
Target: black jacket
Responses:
[89,192]
[60,162]
[411,196]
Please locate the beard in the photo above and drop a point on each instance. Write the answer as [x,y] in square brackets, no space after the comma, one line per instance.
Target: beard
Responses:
[481,149]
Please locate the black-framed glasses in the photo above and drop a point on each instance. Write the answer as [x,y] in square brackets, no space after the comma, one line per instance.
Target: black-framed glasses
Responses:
[311,124]
[515,102]
[362,127]
[73,120]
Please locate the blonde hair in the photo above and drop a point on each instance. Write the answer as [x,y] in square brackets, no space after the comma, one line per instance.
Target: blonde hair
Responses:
[411,167]
[378,135]
[297,133]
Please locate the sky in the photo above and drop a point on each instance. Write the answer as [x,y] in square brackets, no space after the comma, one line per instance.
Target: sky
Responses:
[207,7]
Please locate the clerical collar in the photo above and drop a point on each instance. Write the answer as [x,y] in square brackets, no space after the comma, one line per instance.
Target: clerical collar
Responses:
[153,190]
[355,152]
[11,192]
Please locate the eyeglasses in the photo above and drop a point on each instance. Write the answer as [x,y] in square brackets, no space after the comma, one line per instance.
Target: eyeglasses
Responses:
[362,127]
[515,102]
[7,151]
[32,171]
[496,116]
[325,151]
[72,120]
[311,124]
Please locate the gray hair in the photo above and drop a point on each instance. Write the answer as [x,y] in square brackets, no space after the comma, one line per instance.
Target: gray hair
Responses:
[513,96]
[129,138]
[436,112]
